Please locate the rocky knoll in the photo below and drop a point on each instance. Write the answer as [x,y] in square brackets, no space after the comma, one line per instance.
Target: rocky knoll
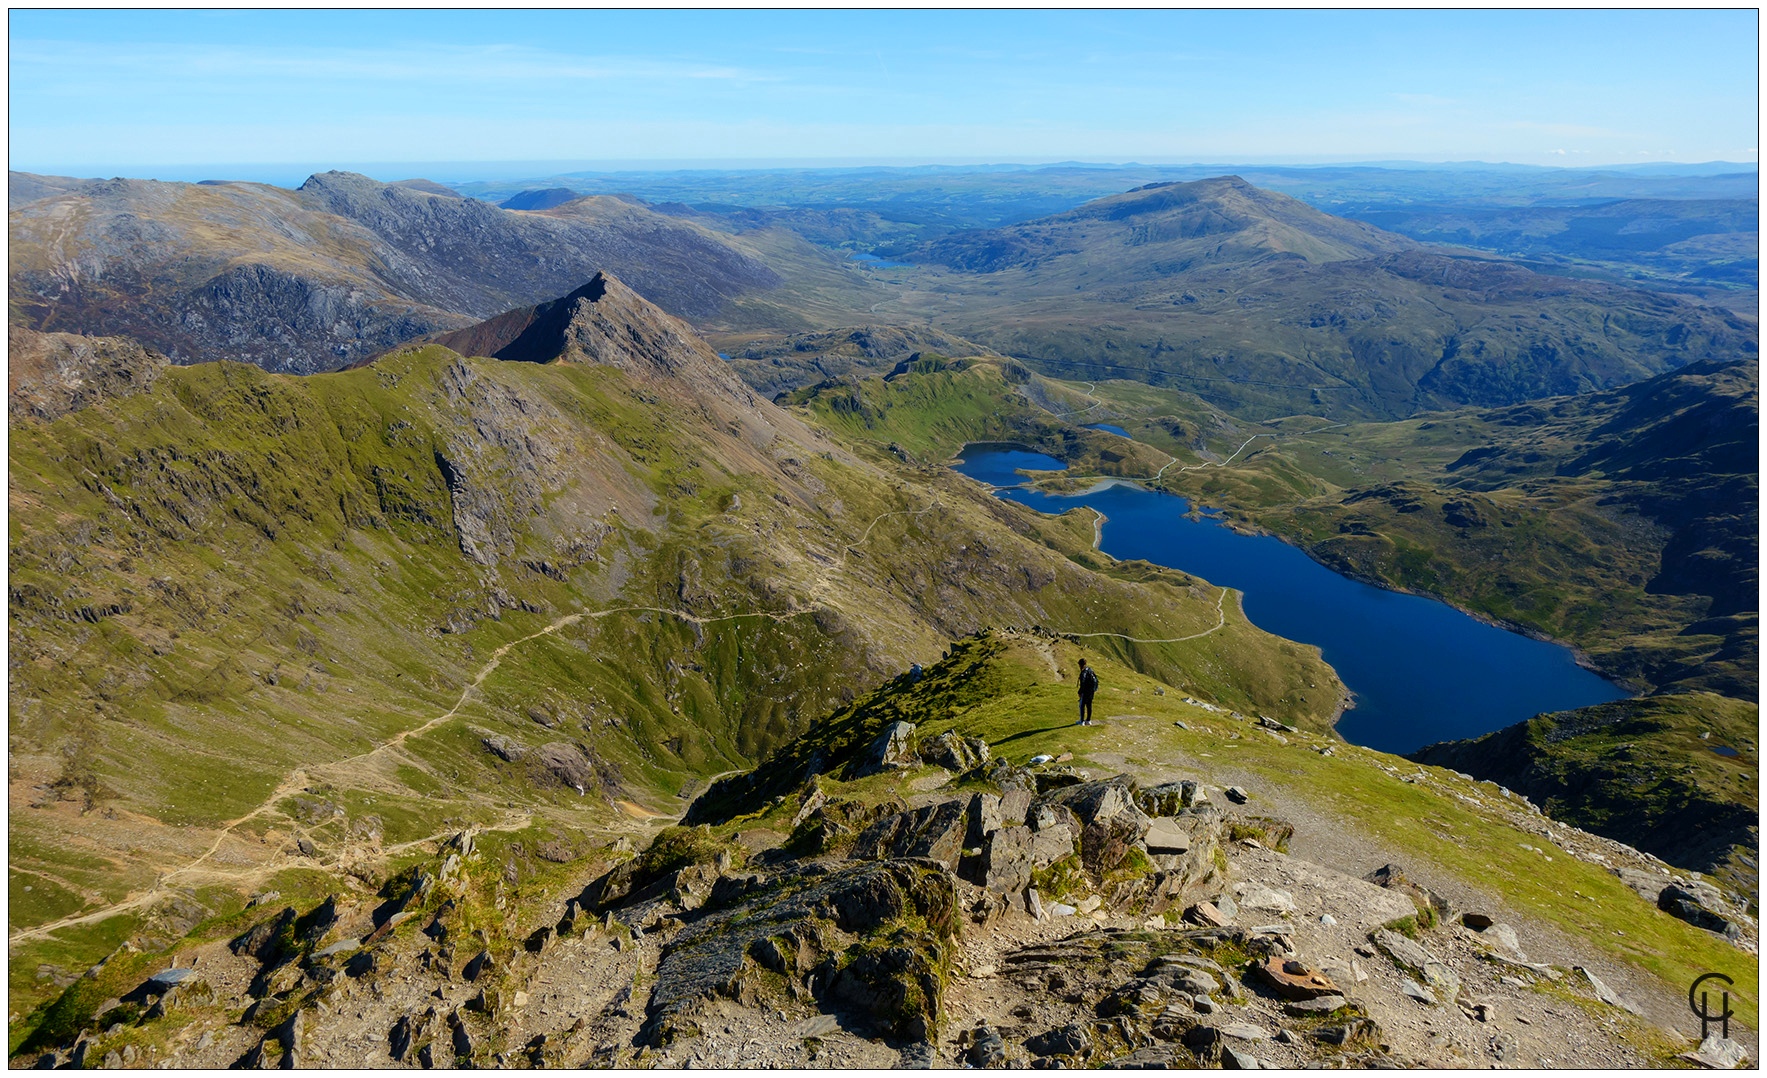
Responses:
[780,365]
[51,374]
[345,267]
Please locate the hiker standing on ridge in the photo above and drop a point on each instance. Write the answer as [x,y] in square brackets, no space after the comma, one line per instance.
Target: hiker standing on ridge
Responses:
[1088,686]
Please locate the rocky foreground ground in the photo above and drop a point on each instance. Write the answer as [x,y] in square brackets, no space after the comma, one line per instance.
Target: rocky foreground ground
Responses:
[1005,917]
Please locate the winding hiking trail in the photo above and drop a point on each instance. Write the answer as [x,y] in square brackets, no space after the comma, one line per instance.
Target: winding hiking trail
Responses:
[299,777]
[1087,393]
[1220,623]
[1155,477]
[1220,600]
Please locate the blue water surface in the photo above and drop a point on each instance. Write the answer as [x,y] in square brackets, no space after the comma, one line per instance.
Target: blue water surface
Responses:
[877,263]
[1110,428]
[1421,670]
[997,465]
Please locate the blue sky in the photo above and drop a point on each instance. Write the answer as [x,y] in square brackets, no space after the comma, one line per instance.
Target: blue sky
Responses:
[144,92]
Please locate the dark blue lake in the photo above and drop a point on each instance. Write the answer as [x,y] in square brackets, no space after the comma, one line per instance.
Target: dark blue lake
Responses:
[1421,670]
[1110,428]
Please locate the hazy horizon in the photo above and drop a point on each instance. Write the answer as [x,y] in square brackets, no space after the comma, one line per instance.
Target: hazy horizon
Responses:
[261,88]
[465,172]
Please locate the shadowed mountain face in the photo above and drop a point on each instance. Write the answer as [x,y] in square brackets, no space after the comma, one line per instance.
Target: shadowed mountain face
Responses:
[540,199]
[340,270]
[1263,305]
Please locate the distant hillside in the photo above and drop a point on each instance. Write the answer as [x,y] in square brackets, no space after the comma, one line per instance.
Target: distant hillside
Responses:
[782,365]
[337,271]
[1165,229]
[540,199]
[1265,306]
[1692,240]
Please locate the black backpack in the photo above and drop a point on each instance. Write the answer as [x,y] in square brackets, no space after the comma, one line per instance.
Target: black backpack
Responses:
[1088,681]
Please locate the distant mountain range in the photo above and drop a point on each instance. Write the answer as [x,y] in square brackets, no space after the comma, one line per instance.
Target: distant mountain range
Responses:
[1257,301]
[339,270]
[1265,305]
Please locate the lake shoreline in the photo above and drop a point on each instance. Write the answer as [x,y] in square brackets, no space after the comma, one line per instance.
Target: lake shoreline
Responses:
[1240,527]
[1415,666]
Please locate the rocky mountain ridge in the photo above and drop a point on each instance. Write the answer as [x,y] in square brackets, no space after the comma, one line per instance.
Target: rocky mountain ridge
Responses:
[341,269]
[1267,307]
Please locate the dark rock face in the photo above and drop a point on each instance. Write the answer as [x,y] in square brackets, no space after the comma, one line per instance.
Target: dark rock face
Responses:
[1007,859]
[892,749]
[935,832]
[840,935]
[1699,903]
[1110,821]
[954,752]
[833,826]
[895,989]
[569,764]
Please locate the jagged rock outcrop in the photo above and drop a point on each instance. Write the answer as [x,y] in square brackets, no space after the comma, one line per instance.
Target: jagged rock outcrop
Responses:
[817,928]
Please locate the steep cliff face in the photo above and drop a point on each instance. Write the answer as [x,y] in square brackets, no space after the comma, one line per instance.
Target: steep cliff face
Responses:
[341,269]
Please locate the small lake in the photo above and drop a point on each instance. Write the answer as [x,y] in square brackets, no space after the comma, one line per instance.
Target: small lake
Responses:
[1421,670]
[869,259]
[1108,428]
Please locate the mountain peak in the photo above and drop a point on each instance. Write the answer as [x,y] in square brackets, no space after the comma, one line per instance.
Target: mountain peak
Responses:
[1158,228]
[605,323]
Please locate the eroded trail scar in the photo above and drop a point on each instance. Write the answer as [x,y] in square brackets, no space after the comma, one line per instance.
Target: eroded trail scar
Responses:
[1087,393]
